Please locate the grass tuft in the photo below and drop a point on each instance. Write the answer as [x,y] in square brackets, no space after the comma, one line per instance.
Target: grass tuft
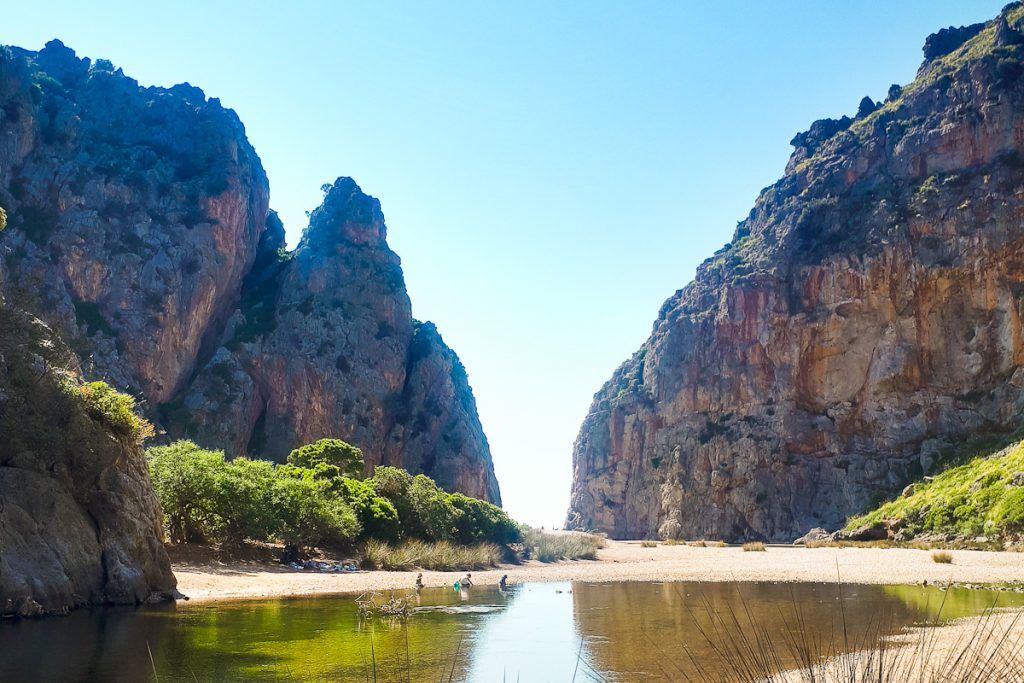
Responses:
[648,544]
[754,547]
[942,557]
[441,555]
[549,546]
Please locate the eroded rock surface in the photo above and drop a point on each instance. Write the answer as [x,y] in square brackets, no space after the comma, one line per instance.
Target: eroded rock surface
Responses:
[139,230]
[79,522]
[324,344]
[864,320]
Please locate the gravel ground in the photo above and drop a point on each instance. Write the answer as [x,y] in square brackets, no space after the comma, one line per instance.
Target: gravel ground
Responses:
[624,561]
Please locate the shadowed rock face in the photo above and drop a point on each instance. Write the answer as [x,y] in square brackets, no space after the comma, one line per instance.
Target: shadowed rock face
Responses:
[134,213]
[865,319]
[325,345]
[139,230]
[79,522]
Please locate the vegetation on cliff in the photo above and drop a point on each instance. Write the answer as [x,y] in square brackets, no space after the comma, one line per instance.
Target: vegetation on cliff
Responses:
[984,497]
[79,523]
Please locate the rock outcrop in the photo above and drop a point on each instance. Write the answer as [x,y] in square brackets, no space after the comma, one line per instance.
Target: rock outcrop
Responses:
[79,522]
[139,230]
[325,344]
[133,213]
[865,318]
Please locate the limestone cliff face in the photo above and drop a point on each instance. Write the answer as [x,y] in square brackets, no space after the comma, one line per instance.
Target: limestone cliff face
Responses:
[324,344]
[79,522]
[134,213]
[865,318]
[139,230]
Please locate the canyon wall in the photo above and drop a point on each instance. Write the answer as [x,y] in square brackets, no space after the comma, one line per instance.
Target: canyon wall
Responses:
[864,321]
[139,231]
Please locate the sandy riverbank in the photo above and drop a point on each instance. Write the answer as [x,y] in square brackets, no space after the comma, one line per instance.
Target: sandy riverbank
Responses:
[624,561]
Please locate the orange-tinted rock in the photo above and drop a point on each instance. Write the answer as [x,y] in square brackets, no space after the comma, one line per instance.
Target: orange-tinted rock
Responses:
[865,318]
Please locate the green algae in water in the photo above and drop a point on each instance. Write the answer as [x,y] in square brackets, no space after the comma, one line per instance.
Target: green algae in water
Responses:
[628,631]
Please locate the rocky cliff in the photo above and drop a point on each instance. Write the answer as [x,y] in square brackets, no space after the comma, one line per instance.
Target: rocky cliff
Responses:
[865,318]
[324,344]
[139,230]
[79,522]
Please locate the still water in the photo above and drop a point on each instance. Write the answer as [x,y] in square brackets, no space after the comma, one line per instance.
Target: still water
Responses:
[533,632]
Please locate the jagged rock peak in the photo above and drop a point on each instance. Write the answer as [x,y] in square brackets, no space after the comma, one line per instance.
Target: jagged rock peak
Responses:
[347,216]
[139,229]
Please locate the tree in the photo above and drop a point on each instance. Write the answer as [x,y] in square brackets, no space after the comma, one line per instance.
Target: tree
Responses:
[185,479]
[346,457]
[393,484]
[244,503]
[310,514]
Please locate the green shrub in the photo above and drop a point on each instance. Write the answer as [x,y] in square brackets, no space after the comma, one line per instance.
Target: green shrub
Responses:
[974,499]
[394,485]
[434,514]
[376,514]
[206,499]
[424,510]
[244,501]
[116,409]
[3,219]
[345,457]
[482,522]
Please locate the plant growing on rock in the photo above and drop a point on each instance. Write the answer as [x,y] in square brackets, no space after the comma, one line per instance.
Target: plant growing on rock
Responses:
[116,409]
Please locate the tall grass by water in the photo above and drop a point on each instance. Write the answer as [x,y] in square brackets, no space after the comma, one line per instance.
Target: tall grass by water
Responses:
[441,555]
[550,546]
[992,649]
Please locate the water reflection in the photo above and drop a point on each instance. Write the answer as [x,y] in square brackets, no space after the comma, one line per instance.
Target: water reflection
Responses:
[534,632]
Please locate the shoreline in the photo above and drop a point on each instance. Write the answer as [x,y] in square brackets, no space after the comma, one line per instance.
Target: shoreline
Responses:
[212,581]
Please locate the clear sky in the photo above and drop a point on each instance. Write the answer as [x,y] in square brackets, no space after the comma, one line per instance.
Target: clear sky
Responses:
[550,171]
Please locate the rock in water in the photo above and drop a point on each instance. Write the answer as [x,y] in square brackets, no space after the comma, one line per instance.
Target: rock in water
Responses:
[79,522]
[865,317]
[139,230]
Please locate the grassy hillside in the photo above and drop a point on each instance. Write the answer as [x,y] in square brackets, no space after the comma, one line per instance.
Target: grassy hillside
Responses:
[984,497]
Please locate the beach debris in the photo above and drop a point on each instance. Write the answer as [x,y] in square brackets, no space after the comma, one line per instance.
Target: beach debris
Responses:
[374,604]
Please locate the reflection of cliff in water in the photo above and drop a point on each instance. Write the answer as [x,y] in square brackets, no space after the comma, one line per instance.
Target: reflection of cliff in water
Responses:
[654,629]
[316,639]
[628,631]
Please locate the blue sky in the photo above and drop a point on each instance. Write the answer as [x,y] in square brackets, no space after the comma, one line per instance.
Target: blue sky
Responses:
[550,172]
